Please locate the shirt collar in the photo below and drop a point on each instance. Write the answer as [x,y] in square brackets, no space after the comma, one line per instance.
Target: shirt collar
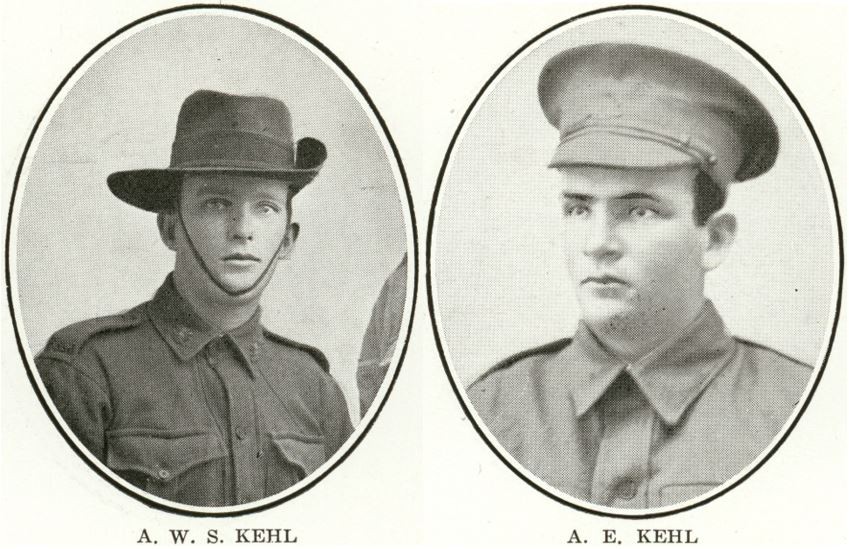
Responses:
[187,333]
[670,377]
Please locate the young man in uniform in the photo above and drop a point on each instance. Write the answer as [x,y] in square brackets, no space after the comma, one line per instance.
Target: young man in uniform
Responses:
[187,396]
[652,402]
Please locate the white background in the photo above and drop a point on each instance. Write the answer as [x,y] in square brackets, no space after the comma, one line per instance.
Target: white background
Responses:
[423,475]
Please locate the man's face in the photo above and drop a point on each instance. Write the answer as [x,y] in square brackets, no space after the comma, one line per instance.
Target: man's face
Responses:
[632,245]
[239,226]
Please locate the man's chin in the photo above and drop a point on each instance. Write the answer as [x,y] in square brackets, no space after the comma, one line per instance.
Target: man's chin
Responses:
[597,310]
[239,285]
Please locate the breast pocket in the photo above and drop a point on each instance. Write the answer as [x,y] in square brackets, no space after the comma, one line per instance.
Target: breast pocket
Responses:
[295,457]
[183,467]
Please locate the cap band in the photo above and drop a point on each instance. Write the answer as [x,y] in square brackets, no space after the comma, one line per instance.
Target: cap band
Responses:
[232,149]
[702,156]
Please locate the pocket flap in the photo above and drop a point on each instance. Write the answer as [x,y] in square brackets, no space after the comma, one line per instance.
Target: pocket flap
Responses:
[163,456]
[306,453]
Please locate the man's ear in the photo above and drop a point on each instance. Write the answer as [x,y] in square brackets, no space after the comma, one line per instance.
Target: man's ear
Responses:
[720,230]
[167,224]
[289,241]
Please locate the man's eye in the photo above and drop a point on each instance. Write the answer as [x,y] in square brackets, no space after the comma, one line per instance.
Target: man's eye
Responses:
[641,212]
[268,208]
[215,205]
[575,210]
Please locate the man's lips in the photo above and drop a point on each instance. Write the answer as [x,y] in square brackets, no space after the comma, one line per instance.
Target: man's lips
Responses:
[606,279]
[240,257]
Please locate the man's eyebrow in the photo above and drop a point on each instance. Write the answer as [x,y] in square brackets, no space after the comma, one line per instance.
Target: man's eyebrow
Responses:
[638,196]
[215,189]
[578,197]
[270,196]
[224,190]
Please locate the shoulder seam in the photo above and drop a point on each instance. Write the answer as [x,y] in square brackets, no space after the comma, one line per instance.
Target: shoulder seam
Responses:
[554,346]
[317,355]
[69,361]
[779,353]
[69,340]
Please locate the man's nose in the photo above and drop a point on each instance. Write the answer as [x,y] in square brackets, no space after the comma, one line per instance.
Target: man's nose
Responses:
[241,224]
[602,241]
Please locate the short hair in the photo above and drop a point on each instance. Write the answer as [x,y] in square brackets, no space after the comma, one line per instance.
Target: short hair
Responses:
[709,197]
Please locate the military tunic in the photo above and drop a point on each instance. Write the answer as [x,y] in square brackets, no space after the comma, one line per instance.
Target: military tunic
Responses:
[191,414]
[681,421]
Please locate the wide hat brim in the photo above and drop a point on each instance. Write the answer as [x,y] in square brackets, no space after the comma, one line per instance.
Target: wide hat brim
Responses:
[157,190]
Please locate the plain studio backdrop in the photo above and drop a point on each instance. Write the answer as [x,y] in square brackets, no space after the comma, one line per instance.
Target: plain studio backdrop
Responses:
[499,275]
[83,253]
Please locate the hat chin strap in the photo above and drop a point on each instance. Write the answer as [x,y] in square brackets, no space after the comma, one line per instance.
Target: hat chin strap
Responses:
[208,272]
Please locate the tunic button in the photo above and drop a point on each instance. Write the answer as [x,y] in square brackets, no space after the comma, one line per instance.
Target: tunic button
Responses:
[240,433]
[627,489]
[164,474]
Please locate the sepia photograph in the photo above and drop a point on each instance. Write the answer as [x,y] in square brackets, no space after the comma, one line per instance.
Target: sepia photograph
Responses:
[451,273]
[621,255]
[233,227]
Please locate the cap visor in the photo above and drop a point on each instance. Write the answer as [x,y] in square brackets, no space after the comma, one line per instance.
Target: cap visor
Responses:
[618,151]
[156,190]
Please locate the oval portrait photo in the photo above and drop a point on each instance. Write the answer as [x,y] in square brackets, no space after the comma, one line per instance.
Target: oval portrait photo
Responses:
[212,260]
[634,258]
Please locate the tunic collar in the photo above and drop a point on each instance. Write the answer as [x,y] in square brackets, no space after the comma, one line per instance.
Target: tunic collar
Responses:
[187,333]
[670,377]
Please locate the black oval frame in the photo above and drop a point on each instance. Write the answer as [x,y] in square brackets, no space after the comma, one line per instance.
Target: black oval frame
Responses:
[383,127]
[430,301]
